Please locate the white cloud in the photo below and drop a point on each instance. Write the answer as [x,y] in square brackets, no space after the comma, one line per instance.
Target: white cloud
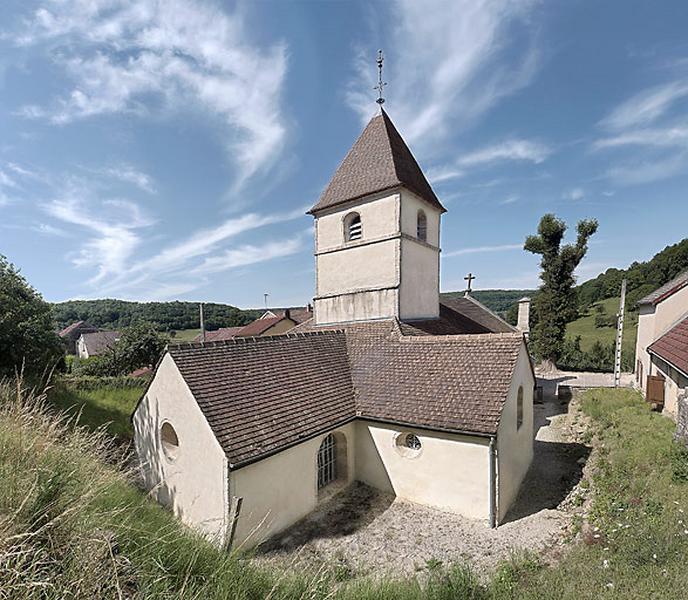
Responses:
[249,254]
[646,106]
[448,62]
[509,150]
[130,174]
[665,137]
[648,170]
[128,56]
[50,230]
[510,199]
[573,194]
[112,234]
[483,249]
[439,174]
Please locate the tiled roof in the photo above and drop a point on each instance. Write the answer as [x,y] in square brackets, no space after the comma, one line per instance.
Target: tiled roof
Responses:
[77,327]
[259,326]
[260,395]
[459,316]
[666,290]
[673,346]
[378,161]
[96,343]
[223,333]
[456,382]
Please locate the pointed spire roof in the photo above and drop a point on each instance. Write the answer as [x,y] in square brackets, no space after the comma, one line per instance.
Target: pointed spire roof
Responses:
[379,160]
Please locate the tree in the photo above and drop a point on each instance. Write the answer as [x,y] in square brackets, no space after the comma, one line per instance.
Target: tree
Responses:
[140,346]
[555,303]
[28,339]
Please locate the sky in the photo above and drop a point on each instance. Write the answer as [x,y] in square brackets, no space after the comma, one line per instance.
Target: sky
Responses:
[162,150]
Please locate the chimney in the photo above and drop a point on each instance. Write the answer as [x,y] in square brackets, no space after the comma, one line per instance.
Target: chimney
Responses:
[287,313]
[523,323]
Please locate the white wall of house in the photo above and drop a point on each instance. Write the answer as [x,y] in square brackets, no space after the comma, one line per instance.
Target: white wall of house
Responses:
[194,482]
[675,384]
[281,489]
[653,322]
[81,349]
[451,471]
[515,444]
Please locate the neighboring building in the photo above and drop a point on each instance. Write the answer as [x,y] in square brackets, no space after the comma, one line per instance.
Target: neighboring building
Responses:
[429,400]
[93,344]
[271,322]
[661,372]
[71,334]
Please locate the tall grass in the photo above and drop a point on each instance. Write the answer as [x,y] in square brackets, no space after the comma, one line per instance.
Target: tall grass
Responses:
[73,526]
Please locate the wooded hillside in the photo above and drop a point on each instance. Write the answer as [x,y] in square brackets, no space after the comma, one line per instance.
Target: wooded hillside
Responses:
[643,277]
[113,314]
[498,301]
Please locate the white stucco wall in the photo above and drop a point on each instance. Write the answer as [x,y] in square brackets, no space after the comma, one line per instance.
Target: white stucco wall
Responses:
[451,472]
[379,219]
[356,306]
[675,384]
[655,321]
[194,484]
[410,205]
[281,489]
[419,292]
[515,445]
[81,350]
[358,267]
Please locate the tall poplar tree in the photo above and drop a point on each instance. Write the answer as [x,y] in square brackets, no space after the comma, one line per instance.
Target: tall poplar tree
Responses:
[555,304]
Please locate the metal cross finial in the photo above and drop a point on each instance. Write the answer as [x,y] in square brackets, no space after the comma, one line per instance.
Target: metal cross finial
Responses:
[469,278]
[380,84]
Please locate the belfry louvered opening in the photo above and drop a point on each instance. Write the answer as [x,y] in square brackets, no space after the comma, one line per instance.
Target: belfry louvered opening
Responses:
[353,227]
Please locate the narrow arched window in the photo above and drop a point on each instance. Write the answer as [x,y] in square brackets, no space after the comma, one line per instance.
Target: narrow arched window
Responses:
[353,228]
[327,461]
[422,226]
[519,408]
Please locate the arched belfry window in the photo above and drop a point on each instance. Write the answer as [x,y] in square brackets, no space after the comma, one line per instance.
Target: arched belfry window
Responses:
[422,226]
[353,228]
[519,408]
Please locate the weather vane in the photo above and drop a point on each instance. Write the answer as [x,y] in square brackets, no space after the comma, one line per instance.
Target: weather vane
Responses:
[380,84]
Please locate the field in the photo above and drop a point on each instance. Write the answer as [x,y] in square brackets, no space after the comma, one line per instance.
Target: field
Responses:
[99,403]
[185,335]
[74,526]
[589,333]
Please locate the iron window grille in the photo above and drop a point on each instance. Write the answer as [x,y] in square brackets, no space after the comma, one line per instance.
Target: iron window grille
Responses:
[412,441]
[327,462]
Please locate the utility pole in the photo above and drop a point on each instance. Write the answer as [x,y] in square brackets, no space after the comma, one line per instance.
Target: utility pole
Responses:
[265,300]
[200,310]
[619,335]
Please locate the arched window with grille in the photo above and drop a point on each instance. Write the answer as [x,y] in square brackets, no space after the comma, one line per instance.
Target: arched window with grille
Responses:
[327,461]
[422,226]
[353,227]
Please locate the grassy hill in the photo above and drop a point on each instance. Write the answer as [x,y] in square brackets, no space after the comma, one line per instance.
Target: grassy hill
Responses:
[590,333]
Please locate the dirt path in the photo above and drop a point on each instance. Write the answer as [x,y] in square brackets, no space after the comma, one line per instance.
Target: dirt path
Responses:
[365,531]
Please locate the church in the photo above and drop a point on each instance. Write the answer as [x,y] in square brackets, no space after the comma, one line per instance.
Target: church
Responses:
[386,384]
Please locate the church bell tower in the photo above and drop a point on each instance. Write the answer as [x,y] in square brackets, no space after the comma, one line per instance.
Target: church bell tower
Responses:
[377,234]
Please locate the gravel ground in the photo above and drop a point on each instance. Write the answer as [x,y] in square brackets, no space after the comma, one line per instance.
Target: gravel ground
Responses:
[365,531]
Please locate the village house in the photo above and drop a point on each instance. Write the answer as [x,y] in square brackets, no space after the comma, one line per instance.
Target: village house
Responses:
[96,343]
[385,384]
[72,333]
[271,322]
[661,352]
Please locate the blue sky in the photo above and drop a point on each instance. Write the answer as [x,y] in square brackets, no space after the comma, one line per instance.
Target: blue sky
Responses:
[157,150]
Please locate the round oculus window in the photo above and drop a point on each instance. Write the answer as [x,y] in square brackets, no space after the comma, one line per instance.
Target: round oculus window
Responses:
[408,444]
[169,440]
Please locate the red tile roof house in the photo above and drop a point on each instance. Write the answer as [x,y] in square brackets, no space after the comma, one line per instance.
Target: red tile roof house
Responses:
[661,353]
[384,385]
[71,334]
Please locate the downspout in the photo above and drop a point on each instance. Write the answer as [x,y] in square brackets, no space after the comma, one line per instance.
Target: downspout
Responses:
[493,481]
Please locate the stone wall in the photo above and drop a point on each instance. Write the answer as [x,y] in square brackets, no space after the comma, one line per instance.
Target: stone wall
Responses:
[681,434]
